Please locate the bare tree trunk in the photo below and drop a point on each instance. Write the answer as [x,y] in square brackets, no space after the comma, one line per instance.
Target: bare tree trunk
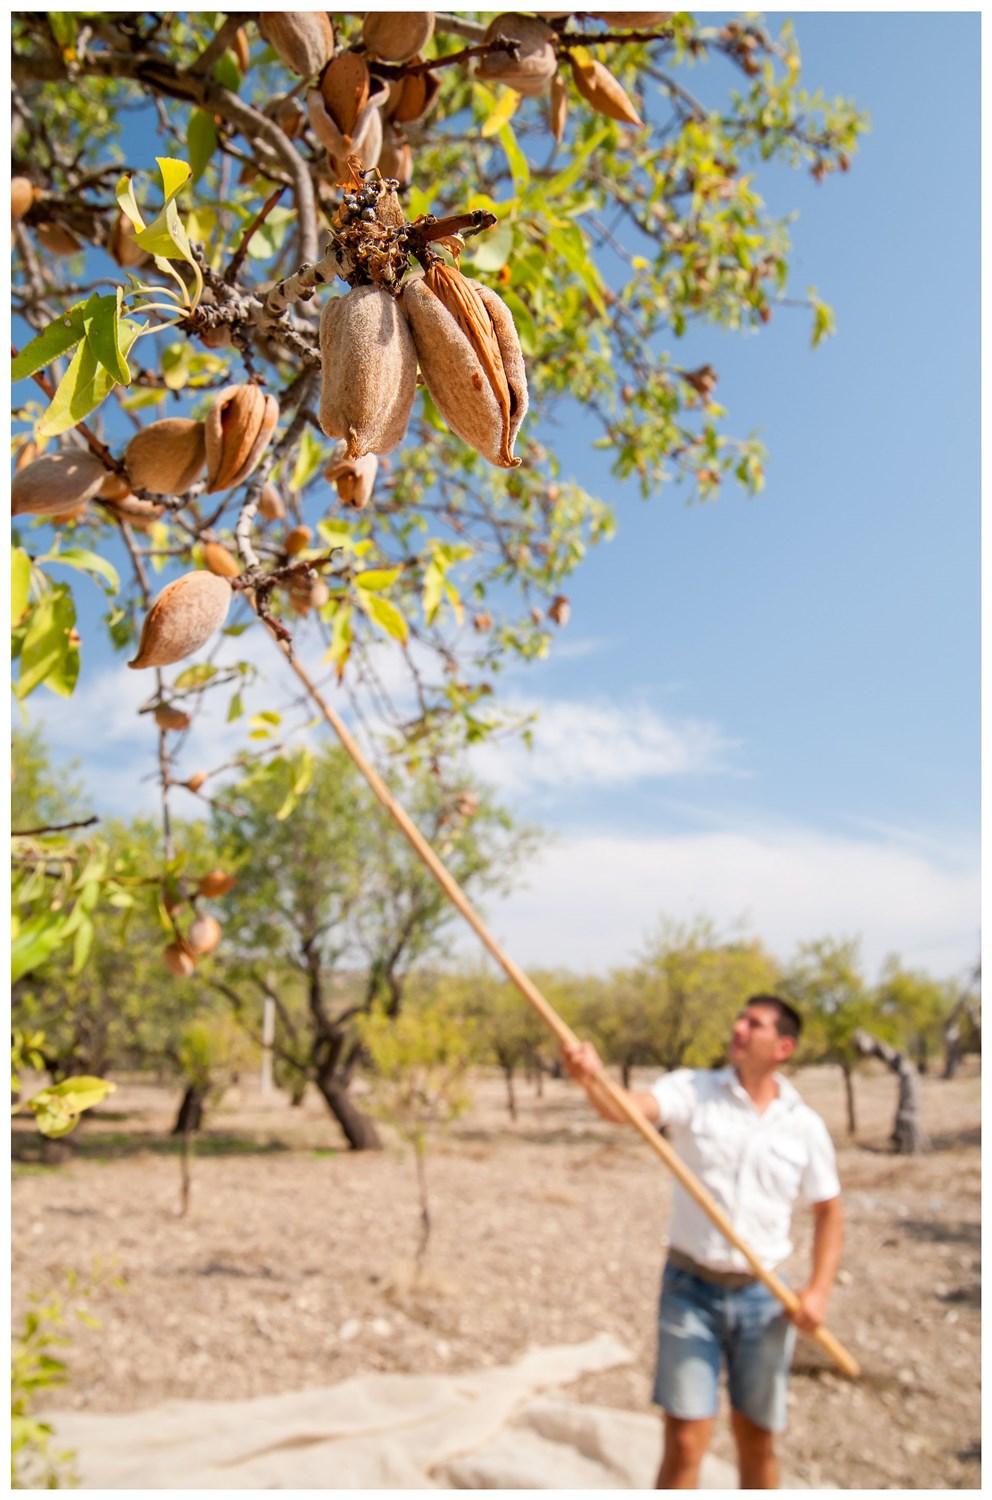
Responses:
[425,1212]
[908,1136]
[190,1116]
[359,1129]
[511,1093]
[625,1071]
[852,1121]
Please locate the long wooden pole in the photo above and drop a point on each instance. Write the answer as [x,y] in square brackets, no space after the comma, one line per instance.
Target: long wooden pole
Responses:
[560,1028]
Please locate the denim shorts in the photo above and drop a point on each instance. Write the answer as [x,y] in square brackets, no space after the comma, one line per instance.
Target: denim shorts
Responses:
[698,1324]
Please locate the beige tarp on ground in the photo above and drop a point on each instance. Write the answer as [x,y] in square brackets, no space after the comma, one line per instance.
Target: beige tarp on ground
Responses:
[506,1428]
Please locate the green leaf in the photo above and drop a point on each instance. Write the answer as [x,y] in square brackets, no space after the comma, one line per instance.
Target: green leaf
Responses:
[34,942]
[83,945]
[236,709]
[20,583]
[227,72]
[195,676]
[58,338]
[519,166]
[46,645]
[175,175]
[102,316]
[57,1109]
[63,25]
[82,388]
[201,139]
[85,561]
[308,460]
[341,635]
[433,591]
[385,614]
[377,579]
[128,202]
[491,251]
[505,109]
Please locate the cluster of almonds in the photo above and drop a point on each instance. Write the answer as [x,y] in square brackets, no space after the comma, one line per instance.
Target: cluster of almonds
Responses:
[350,111]
[373,339]
[164,458]
[204,933]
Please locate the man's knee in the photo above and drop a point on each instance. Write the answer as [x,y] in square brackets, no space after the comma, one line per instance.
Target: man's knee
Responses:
[750,1437]
[686,1440]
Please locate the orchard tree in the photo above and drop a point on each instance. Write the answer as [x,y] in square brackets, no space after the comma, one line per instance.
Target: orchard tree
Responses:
[334,909]
[238,238]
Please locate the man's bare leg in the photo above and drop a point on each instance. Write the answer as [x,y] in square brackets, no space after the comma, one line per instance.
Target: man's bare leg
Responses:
[685,1444]
[756,1458]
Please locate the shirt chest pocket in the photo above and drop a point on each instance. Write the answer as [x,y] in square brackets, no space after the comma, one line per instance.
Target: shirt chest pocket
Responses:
[781,1162]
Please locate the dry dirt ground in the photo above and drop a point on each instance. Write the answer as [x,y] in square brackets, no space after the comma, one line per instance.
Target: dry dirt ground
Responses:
[292,1266]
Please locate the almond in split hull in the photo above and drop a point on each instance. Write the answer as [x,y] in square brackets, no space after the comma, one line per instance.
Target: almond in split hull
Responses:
[238,429]
[354,479]
[471,359]
[21,197]
[303,39]
[185,615]
[369,371]
[167,457]
[397,35]
[599,88]
[56,483]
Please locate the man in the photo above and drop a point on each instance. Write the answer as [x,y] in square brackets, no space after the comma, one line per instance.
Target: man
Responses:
[746,1134]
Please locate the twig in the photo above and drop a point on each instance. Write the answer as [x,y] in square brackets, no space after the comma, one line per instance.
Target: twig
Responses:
[231,274]
[27,833]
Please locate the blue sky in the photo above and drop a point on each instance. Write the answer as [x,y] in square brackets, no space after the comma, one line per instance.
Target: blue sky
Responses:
[767,710]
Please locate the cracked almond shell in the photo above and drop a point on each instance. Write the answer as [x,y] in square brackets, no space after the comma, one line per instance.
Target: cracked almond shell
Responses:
[56,483]
[182,618]
[238,429]
[166,457]
[477,383]
[369,371]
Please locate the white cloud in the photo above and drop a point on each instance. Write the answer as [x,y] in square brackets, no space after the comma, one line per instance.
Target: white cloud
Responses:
[588,902]
[600,744]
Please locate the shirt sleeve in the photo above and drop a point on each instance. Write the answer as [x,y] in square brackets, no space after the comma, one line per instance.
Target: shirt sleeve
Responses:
[676,1096]
[819,1180]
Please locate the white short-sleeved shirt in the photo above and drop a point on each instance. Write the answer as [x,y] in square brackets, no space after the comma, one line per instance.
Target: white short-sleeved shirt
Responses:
[754,1164]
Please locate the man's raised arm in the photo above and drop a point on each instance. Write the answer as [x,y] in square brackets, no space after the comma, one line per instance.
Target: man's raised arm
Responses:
[582,1063]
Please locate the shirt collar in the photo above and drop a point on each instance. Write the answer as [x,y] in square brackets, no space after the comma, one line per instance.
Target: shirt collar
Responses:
[788,1095]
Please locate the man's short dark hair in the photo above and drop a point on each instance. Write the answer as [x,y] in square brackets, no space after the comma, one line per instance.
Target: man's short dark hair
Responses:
[788,1021]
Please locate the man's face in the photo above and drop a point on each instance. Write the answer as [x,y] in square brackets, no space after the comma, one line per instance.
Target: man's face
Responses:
[755,1039]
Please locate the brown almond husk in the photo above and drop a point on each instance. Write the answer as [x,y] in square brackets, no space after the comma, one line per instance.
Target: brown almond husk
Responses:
[167,717]
[183,617]
[633,19]
[365,141]
[56,484]
[167,457]
[471,359]
[354,479]
[344,87]
[396,36]
[142,514]
[220,561]
[303,39]
[558,106]
[216,883]
[297,540]
[178,961]
[124,245]
[21,197]
[271,505]
[58,240]
[599,88]
[113,487]
[241,49]
[238,429]
[536,61]
[203,936]
[559,609]
[369,367]
[396,158]
[413,96]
